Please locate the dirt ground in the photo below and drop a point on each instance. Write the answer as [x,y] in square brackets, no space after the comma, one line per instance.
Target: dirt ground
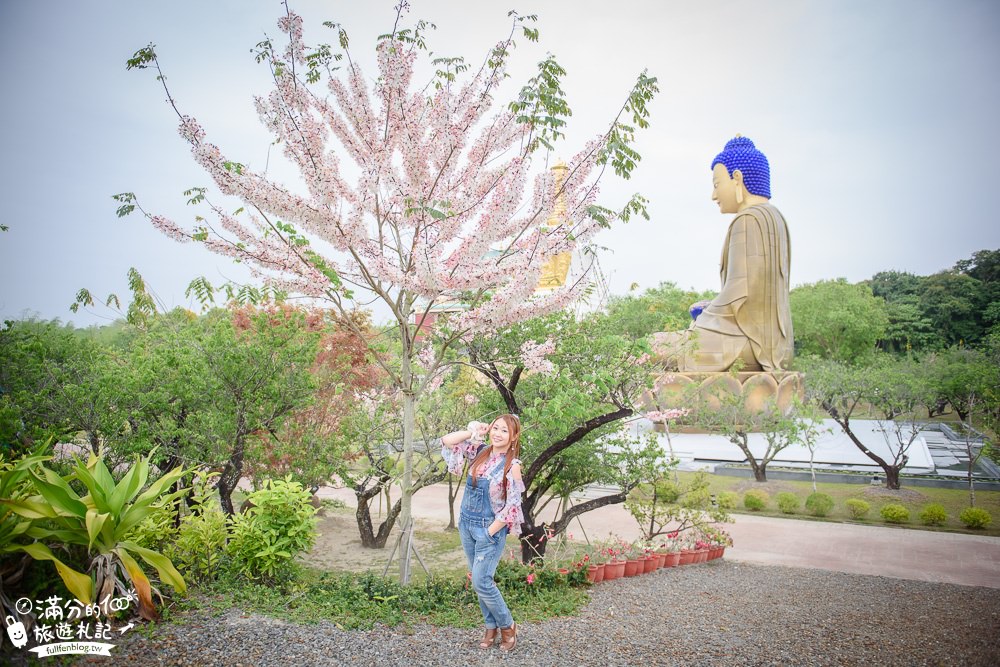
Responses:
[338,546]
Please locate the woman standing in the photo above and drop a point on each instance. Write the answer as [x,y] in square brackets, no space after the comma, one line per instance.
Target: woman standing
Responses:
[491,509]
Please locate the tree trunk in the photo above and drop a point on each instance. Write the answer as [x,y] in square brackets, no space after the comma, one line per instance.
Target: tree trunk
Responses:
[369,538]
[812,469]
[452,495]
[534,538]
[891,471]
[891,477]
[972,484]
[406,502]
[230,477]
[759,469]
[533,542]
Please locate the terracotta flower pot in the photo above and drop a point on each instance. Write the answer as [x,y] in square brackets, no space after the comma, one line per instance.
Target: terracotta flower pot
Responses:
[614,570]
[595,573]
[632,567]
[687,557]
[673,559]
[661,557]
[702,556]
[649,564]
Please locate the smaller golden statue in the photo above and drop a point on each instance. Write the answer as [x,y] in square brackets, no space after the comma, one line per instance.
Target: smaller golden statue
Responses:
[556,269]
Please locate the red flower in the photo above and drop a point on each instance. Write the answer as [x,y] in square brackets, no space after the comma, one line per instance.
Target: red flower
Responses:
[530,578]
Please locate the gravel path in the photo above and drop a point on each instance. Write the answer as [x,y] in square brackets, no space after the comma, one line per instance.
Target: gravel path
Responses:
[719,613]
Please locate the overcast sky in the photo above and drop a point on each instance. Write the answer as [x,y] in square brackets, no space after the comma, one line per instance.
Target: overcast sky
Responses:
[879,119]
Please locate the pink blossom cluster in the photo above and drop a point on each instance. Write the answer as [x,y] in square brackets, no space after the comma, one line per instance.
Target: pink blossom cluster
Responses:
[667,415]
[435,382]
[426,357]
[440,207]
[533,356]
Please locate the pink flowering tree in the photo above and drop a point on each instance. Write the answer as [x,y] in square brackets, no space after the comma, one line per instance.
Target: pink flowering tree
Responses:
[416,192]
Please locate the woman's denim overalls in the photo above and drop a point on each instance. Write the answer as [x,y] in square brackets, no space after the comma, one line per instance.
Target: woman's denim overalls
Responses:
[482,551]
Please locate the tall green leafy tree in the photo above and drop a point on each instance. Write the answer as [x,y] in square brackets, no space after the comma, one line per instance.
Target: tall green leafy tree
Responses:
[256,375]
[59,382]
[834,319]
[955,304]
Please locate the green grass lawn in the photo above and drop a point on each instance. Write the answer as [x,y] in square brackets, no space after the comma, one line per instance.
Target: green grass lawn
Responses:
[913,498]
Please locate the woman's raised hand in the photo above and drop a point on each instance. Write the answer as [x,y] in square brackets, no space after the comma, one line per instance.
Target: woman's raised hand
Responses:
[478,430]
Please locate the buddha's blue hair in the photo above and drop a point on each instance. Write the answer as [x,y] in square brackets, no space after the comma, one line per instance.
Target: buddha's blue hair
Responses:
[740,153]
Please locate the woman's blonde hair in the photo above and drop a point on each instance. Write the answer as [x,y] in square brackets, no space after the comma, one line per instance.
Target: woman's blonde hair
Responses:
[513,452]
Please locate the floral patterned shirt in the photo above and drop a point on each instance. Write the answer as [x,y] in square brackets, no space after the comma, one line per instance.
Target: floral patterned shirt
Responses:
[506,509]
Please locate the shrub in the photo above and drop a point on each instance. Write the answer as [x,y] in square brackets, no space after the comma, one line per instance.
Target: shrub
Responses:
[787,502]
[857,507]
[726,500]
[975,517]
[895,513]
[819,504]
[933,515]
[201,538]
[157,530]
[755,500]
[279,526]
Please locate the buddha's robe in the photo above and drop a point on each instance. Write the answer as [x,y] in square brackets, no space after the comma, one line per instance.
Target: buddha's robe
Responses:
[750,318]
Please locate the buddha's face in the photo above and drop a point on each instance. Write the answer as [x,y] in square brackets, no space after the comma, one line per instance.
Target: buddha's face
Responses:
[724,189]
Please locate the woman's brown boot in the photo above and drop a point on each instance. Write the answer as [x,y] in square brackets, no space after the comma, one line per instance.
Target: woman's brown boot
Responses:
[491,636]
[508,638]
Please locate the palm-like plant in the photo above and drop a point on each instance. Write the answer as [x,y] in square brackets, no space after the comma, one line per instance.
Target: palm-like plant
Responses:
[99,522]
[14,483]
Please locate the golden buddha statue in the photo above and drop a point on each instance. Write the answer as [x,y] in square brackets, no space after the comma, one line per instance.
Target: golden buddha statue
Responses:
[749,321]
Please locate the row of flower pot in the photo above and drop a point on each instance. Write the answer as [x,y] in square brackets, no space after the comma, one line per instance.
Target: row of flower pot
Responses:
[650,563]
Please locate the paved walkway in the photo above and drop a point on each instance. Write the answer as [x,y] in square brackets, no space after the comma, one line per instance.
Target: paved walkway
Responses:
[970,560]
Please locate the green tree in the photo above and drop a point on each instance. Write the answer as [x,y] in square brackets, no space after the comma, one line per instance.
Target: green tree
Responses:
[836,320]
[969,380]
[571,413]
[59,382]
[895,285]
[212,383]
[984,266]
[895,390]
[730,415]
[908,329]
[661,308]
[956,305]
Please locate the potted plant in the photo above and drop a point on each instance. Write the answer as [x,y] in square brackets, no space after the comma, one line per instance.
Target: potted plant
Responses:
[650,560]
[594,562]
[610,553]
[670,547]
[633,553]
[686,543]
